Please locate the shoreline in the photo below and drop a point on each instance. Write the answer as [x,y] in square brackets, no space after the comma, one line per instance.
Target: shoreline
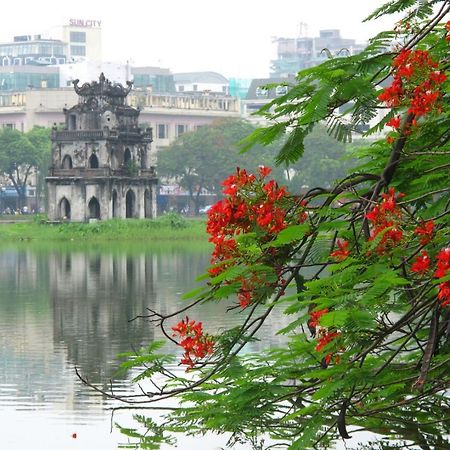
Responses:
[164,229]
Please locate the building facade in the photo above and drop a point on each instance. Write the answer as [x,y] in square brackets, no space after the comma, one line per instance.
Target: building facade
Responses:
[169,115]
[32,50]
[100,160]
[84,39]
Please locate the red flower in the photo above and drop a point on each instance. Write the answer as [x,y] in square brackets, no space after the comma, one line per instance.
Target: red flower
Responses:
[341,253]
[264,171]
[422,263]
[425,229]
[390,139]
[443,263]
[315,316]
[415,82]
[394,122]
[444,293]
[389,202]
[437,77]
[196,344]
[186,327]
[245,298]
[393,95]
[325,339]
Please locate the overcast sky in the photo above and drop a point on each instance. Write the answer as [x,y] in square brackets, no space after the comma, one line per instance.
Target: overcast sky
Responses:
[232,37]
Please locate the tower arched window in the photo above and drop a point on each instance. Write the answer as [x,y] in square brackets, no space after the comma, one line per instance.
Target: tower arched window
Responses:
[93,162]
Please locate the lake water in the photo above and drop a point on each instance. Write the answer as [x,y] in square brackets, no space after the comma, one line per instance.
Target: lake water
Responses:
[62,308]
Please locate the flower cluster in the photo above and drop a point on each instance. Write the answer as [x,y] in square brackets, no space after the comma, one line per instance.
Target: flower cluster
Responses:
[250,201]
[325,338]
[422,262]
[195,342]
[447,27]
[425,230]
[314,317]
[442,270]
[251,204]
[416,84]
[385,219]
[342,251]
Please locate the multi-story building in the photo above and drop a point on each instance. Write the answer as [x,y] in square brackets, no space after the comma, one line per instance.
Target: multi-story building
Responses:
[34,50]
[32,61]
[295,54]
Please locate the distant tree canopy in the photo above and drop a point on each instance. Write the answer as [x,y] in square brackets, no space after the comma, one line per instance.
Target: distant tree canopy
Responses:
[204,158]
[20,153]
[324,160]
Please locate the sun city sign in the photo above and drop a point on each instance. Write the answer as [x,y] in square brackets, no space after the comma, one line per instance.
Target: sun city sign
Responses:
[85,23]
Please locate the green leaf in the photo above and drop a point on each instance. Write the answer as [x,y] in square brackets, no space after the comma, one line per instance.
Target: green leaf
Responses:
[289,234]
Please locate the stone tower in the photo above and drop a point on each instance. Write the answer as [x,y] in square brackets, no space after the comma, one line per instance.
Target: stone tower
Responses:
[100,160]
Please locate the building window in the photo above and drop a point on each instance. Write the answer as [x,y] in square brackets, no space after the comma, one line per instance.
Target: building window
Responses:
[281,90]
[11,126]
[163,131]
[181,129]
[195,87]
[261,92]
[77,36]
[180,88]
[78,50]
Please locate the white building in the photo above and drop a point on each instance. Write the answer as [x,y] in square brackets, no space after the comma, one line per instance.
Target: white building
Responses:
[84,39]
[201,82]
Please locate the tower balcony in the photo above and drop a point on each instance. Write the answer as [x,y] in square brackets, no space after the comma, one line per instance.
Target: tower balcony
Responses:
[101,172]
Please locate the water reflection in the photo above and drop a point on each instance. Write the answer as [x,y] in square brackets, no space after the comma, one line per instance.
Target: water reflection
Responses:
[93,297]
[64,309]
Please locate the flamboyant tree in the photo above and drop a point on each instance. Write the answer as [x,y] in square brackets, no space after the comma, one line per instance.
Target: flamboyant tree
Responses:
[368,343]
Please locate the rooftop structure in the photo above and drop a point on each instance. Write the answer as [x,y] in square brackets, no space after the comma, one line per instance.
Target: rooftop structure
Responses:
[201,82]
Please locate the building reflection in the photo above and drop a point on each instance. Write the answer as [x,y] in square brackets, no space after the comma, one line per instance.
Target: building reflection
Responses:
[94,296]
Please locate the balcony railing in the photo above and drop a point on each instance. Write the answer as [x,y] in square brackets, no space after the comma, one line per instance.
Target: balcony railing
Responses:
[83,172]
[129,135]
[75,135]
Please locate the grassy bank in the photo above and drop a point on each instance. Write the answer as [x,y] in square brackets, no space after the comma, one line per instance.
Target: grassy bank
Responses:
[167,228]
